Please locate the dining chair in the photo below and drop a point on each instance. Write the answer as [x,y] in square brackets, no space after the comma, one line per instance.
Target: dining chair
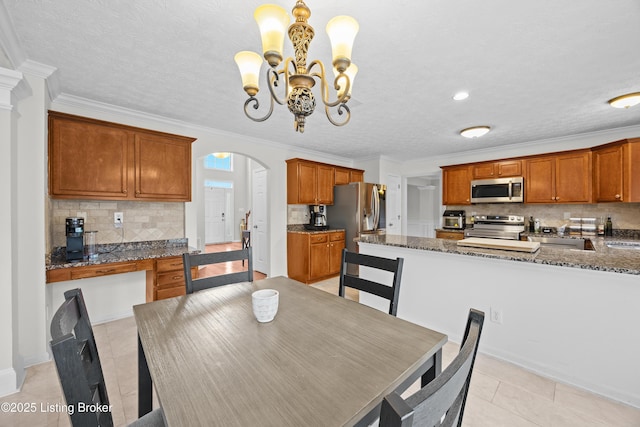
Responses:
[78,363]
[380,289]
[212,258]
[441,402]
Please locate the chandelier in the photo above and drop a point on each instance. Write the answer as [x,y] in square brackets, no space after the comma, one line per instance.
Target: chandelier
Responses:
[296,77]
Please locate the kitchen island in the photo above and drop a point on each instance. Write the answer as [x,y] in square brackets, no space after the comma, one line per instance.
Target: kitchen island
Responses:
[566,314]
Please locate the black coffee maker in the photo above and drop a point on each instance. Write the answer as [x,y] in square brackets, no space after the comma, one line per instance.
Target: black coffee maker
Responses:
[75,238]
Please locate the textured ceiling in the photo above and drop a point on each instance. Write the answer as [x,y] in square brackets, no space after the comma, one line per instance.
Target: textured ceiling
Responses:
[535,70]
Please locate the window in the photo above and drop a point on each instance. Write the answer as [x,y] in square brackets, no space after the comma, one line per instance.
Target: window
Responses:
[218,184]
[212,161]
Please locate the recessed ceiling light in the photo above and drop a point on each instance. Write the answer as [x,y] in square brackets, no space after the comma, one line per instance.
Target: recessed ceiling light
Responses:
[625,101]
[475,132]
[460,96]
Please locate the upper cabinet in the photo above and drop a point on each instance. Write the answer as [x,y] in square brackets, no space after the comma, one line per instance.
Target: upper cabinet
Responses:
[93,159]
[560,178]
[311,183]
[456,185]
[616,171]
[500,169]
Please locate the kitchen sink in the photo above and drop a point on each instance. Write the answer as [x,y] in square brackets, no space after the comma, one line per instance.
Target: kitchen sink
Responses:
[624,245]
[562,243]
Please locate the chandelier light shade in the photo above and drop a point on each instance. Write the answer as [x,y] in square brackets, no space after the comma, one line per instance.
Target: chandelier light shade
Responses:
[292,84]
[475,132]
[625,101]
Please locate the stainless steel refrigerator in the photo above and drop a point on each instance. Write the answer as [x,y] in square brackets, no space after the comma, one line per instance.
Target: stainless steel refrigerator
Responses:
[358,207]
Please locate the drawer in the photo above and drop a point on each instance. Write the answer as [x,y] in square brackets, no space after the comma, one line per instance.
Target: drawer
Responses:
[170,278]
[319,238]
[336,236]
[169,264]
[58,275]
[102,270]
[170,292]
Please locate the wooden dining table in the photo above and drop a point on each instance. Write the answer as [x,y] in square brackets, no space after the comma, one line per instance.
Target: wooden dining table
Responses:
[324,360]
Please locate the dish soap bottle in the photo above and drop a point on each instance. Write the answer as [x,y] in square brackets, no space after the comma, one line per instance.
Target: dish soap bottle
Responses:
[608,227]
[532,227]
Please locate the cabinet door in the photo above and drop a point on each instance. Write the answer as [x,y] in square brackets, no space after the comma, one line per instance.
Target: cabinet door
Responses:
[307,183]
[540,180]
[573,178]
[87,161]
[319,260]
[484,170]
[456,185]
[163,168]
[342,176]
[357,176]
[608,174]
[336,246]
[509,168]
[325,185]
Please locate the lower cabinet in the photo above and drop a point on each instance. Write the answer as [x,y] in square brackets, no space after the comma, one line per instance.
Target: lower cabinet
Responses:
[169,278]
[451,235]
[314,256]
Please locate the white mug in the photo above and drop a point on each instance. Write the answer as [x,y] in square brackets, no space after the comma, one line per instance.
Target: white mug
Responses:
[265,304]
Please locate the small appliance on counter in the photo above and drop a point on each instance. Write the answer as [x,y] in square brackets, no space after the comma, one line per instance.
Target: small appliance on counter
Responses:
[317,218]
[74,229]
[453,220]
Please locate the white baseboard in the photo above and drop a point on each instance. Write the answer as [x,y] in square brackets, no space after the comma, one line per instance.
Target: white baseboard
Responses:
[8,382]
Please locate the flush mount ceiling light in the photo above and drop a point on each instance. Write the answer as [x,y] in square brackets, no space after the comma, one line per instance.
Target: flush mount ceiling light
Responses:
[461,96]
[475,132]
[221,155]
[296,77]
[625,101]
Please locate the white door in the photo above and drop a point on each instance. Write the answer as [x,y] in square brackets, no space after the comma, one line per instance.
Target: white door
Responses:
[259,230]
[394,205]
[214,215]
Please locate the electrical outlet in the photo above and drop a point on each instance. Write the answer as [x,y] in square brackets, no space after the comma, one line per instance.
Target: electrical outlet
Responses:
[118,219]
[496,315]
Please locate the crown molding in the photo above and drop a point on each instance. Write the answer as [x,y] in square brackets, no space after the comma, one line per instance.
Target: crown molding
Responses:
[46,72]
[9,40]
[65,101]
[12,88]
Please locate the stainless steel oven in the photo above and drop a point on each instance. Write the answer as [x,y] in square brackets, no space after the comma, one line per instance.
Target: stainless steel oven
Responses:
[498,190]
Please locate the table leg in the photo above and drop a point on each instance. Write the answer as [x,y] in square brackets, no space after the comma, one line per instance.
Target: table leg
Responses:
[434,370]
[145,392]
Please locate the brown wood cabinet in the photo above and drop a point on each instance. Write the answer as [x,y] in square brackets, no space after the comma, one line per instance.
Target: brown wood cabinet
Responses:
[450,235]
[94,159]
[560,178]
[456,185]
[347,175]
[311,183]
[314,256]
[616,171]
[499,169]
[169,278]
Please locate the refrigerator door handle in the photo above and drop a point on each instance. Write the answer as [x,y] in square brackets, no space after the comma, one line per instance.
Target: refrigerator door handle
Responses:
[375,206]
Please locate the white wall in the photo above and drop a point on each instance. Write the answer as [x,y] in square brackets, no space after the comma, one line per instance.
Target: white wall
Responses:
[573,325]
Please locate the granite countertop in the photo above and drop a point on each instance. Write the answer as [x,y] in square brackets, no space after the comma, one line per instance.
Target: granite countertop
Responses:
[131,251]
[625,261]
[299,228]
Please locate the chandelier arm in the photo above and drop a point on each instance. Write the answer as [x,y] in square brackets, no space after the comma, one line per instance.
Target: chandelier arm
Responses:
[341,110]
[272,83]
[325,87]
[256,105]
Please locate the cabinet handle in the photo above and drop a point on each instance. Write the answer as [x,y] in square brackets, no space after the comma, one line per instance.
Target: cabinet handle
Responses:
[176,264]
[617,196]
[177,277]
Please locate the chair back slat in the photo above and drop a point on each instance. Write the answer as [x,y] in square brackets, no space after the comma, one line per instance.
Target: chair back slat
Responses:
[77,361]
[390,292]
[441,402]
[195,260]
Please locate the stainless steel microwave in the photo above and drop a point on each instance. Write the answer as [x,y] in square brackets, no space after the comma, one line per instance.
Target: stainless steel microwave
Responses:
[498,190]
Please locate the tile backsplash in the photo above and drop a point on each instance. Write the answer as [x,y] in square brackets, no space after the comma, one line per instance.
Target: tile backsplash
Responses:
[142,220]
[623,215]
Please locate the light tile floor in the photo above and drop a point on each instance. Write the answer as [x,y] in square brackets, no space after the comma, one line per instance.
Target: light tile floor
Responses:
[501,394]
